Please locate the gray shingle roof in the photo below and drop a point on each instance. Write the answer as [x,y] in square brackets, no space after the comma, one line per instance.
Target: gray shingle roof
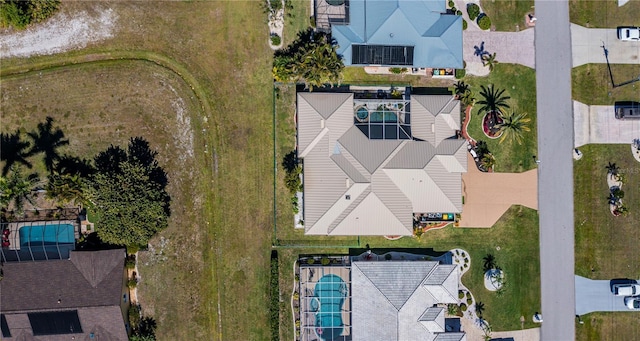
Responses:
[439,274]
[395,280]
[39,285]
[431,313]
[450,337]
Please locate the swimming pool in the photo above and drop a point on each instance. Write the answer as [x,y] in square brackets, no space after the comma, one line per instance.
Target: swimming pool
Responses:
[383,116]
[330,292]
[47,234]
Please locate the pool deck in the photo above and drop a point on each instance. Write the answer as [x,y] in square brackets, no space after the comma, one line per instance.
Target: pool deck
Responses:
[14,228]
[309,277]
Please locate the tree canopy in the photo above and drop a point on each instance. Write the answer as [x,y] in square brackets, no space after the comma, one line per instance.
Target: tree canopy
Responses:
[129,194]
[21,13]
[312,58]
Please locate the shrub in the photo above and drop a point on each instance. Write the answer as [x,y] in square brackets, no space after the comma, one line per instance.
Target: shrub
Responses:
[460,294]
[274,298]
[398,70]
[310,260]
[460,73]
[464,24]
[325,261]
[469,301]
[275,40]
[133,249]
[451,3]
[21,13]
[132,283]
[130,263]
[484,22]
[134,315]
[387,256]
[459,12]
[463,307]
[473,10]
[312,21]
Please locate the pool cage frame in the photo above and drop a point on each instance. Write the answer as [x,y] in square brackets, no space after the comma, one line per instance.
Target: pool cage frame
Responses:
[19,251]
[310,274]
[398,129]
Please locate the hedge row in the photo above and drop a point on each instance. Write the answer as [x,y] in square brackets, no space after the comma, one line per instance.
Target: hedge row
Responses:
[274,293]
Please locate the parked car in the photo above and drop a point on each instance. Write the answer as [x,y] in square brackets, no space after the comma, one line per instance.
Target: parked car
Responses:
[632,303]
[629,33]
[627,109]
[626,289]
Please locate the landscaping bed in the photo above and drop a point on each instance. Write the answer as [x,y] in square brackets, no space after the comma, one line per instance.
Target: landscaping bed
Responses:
[519,83]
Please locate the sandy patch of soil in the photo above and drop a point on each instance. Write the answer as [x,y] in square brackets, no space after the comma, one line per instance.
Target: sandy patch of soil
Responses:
[60,33]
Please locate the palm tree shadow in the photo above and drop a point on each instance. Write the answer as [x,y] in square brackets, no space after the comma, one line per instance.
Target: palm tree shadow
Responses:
[14,150]
[47,140]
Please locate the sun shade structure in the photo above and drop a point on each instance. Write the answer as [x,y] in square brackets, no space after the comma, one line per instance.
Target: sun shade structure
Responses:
[418,33]
[370,164]
[38,240]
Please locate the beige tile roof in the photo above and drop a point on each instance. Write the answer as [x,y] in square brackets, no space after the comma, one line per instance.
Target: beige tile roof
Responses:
[357,186]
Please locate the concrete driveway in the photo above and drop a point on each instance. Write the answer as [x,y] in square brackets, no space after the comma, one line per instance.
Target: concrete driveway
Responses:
[586,46]
[510,47]
[595,295]
[597,124]
[488,195]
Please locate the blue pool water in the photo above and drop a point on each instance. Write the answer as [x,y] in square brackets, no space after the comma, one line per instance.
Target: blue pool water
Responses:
[47,234]
[331,292]
[380,116]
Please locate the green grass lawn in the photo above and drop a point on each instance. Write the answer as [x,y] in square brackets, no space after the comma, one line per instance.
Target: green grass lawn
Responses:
[620,326]
[604,243]
[520,85]
[591,83]
[209,280]
[606,246]
[357,76]
[591,13]
[507,14]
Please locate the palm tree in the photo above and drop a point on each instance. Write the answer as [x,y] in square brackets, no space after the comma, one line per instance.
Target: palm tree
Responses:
[17,189]
[489,262]
[479,308]
[47,140]
[460,88]
[482,148]
[467,98]
[612,168]
[493,100]
[513,125]
[13,150]
[67,188]
[488,161]
[489,60]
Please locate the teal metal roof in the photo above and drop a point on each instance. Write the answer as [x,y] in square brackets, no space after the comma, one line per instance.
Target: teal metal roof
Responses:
[423,24]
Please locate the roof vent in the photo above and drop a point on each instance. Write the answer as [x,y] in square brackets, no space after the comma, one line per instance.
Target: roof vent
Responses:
[391,35]
[348,197]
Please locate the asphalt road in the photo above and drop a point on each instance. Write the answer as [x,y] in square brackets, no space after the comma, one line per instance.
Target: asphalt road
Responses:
[555,171]
[595,295]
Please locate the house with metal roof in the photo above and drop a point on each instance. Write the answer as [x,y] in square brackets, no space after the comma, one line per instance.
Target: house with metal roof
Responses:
[418,33]
[76,298]
[376,161]
[402,300]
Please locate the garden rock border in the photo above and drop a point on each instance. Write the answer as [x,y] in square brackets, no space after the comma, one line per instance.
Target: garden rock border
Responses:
[489,283]
[612,181]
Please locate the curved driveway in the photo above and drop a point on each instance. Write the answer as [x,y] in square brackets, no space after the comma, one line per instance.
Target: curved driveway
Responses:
[488,195]
[555,172]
